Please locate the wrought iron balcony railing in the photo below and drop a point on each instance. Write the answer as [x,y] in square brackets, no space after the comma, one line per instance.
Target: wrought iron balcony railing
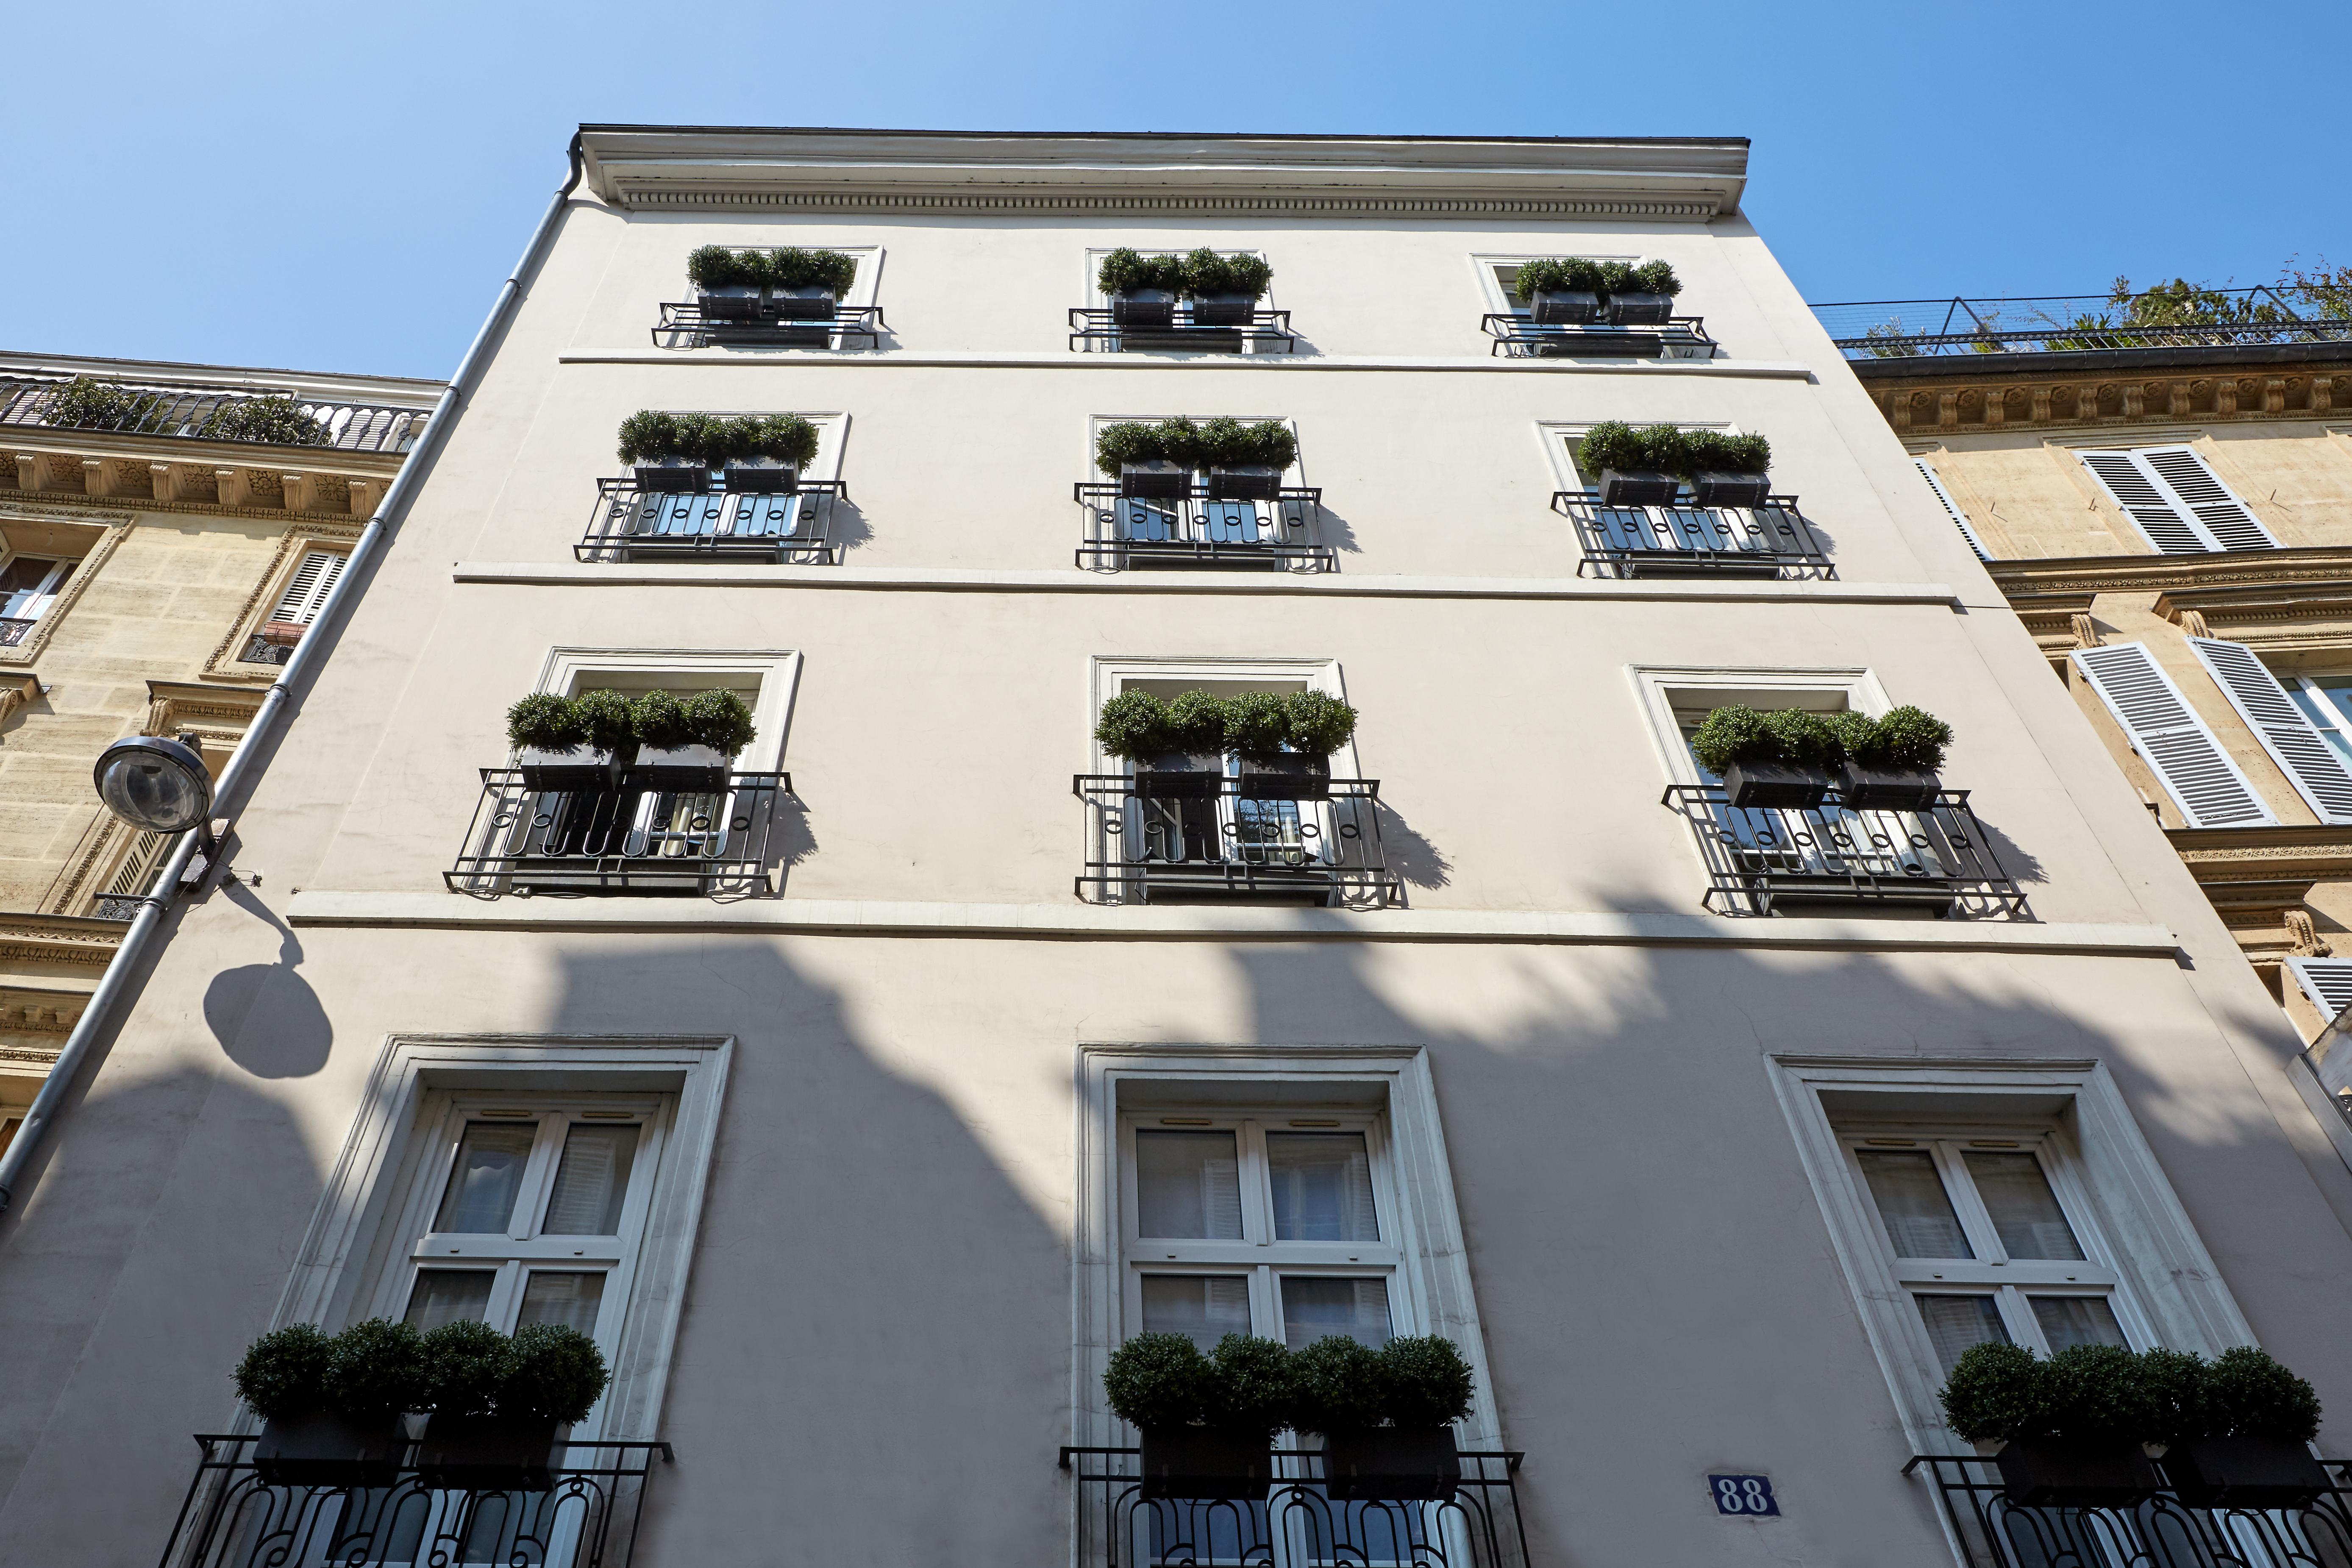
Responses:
[1135,533]
[1519,336]
[201,413]
[586,1519]
[2075,323]
[712,524]
[1834,856]
[1770,540]
[1297,1523]
[684,325]
[1235,842]
[2161,1531]
[625,838]
[1259,332]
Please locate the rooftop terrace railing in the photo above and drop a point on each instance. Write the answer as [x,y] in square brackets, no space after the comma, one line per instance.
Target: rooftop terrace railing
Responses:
[2073,323]
[201,412]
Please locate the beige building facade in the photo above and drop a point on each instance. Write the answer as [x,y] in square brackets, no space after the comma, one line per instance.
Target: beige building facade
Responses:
[946,1054]
[161,557]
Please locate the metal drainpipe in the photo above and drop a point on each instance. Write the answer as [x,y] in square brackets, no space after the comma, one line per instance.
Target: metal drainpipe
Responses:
[116,985]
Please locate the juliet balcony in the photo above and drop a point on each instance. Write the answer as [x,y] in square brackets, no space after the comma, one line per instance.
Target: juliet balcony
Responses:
[606,829]
[1682,539]
[715,518]
[1835,857]
[1193,523]
[1182,326]
[1122,1523]
[1517,334]
[778,323]
[1204,838]
[586,1518]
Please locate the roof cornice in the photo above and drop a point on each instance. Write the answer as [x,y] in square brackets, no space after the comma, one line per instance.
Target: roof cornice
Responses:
[676,168]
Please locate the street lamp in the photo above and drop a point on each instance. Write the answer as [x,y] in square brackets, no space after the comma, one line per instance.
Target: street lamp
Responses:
[156,784]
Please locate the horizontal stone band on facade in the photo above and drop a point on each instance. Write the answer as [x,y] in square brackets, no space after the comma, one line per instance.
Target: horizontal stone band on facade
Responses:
[653,198]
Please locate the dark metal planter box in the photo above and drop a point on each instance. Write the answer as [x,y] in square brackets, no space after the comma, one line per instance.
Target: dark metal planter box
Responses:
[1381,1462]
[733,302]
[808,303]
[1180,775]
[1143,308]
[762,475]
[1639,309]
[1247,481]
[582,767]
[1155,481]
[1731,490]
[1774,786]
[486,1453]
[677,475]
[1638,487]
[326,1449]
[1206,1463]
[2244,1472]
[1229,309]
[1563,307]
[2052,1472]
[1289,776]
[1888,789]
[680,768]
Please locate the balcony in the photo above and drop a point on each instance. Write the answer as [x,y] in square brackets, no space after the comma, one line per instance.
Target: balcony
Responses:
[622,837]
[631,524]
[15,629]
[1518,336]
[685,325]
[1770,540]
[1834,858]
[2085,324]
[194,411]
[2161,1533]
[1231,844]
[1135,533]
[1218,331]
[1297,1522]
[587,1518]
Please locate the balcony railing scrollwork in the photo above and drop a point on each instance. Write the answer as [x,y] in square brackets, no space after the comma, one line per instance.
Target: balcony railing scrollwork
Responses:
[1226,333]
[1159,533]
[1835,857]
[1518,336]
[684,324]
[1770,540]
[713,524]
[2161,1532]
[586,1519]
[1231,844]
[624,838]
[1297,1522]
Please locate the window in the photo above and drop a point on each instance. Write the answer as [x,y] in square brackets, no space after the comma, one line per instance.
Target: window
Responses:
[298,605]
[1676,537]
[2326,981]
[1249,519]
[2325,700]
[2177,501]
[2169,736]
[2283,725]
[28,586]
[752,516]
[1951,508]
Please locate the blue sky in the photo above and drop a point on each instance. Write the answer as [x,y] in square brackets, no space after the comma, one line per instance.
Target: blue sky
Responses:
[342,187]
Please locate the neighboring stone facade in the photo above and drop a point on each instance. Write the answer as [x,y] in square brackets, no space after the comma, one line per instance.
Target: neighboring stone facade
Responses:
[171,548]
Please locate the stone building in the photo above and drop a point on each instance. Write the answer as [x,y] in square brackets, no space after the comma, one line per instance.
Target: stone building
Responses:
[169,532]
[859,1093]
[2162,488]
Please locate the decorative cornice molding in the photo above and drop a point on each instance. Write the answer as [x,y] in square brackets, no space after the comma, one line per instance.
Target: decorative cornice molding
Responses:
[2255,569]
[653,197]
[59,939]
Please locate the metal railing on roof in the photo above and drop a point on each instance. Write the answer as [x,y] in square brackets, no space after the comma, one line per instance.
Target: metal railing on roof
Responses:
[202,413]
[2074,323]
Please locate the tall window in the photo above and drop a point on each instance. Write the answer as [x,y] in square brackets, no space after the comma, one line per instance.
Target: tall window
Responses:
[1279,1224]
[298,605]
[28,586]
[2325,700]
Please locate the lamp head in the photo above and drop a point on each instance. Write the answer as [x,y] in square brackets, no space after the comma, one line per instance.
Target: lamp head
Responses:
[153,784]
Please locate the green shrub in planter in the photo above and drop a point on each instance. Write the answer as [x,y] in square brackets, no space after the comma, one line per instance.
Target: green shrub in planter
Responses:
[284,1373]
[1205,272]
[1250,1385]
[1910,738]
[1890,762]
[1176,440]
[2243,1441]
[1994,1393]
[2250,1395]
[1133,725]
[1320,724]
[1125,271]
[650,432]
[717,266]
[1338,1385]
[1204,1423]
[792,267]
[604,716]
[1386,1415]
[720,719]
[787,436]
[466,1363]
[544,722]
[1427,1383]
[377,1366]
[1256,724]
[688,743]
[84,403]
[1159,1380]
[1768,760]
[1733,733]
[2072,1427]
[277,420]
[332,1407]
[1197,720]
[1556,274]
[554,1373]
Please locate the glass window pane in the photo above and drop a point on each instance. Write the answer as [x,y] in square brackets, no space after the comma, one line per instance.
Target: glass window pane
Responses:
[1322,1186]
[2024,1210]
[591,1181]
[488,1172]
[568,1297]
[445,1295]
[2068,1321]
[1956,1322]
[1207,1306]
[1315,1306]
[1188,1185]
[1912,1201]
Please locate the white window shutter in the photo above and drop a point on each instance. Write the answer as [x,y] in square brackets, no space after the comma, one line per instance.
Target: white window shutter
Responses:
[313,581]
[2168,734]
[2177,501]
[1952,510]
[2326,981]
[2301,752]
[2195,486]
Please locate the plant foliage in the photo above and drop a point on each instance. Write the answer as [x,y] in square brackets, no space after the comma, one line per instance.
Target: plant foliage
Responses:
[2248,1394]
[1995,1393]
[1733,733]
[544,722]
[1256,723]
[277,420]
[467,1363]
[1339,1386]
[1905,738]
[378,1367]
[717,266]
[1909,738]
[1575,273]
[1136,724]
[2176,1386]
[1159,1380]
[1425,1383]
[1319,723]
[284,1373]
[714,439]
[554,1373]
[87,404]
[1221,443]
[1803,738]
[1250,1384]
[1207,272]
[604,719]
[1196,720]
[1124,271]
[1667,449]
[2103,1392]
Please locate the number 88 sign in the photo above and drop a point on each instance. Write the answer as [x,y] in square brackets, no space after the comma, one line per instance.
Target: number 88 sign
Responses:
[1750,1497]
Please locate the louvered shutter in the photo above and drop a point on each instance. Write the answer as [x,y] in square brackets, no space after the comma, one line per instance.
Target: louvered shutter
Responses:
[2293,742]
[313,581]
[2168,734]
[2326,981]
[2197,487]
[1952,510]
[2177,501]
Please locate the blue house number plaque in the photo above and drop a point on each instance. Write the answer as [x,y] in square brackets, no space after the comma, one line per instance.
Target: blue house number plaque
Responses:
[1750,1497]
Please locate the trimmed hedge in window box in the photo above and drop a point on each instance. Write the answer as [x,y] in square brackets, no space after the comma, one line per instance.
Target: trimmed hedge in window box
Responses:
[675,452]
[1571,291]
[1643,465]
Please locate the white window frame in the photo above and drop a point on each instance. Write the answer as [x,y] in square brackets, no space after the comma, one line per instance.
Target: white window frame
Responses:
[1390,1084]
[1107,676]
[44,597]
[2118,1192]
[1490,286]
[356,1236]
[571,671]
